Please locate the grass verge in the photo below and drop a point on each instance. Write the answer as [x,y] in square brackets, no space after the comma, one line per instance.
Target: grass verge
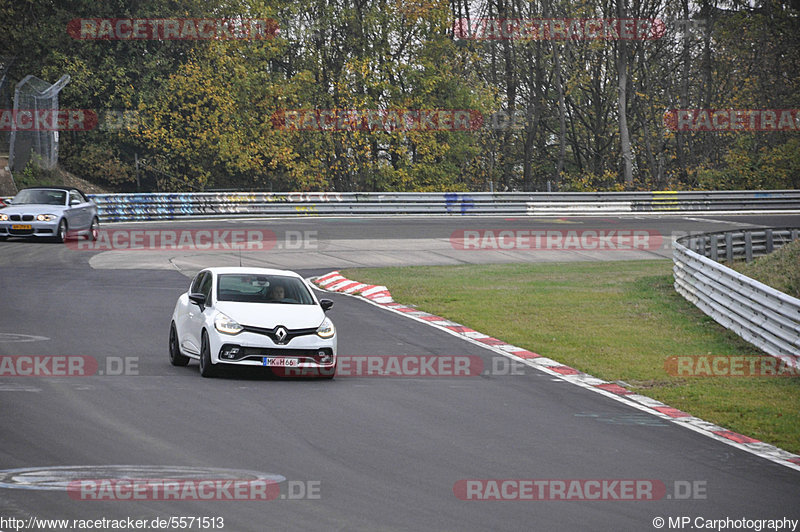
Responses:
[616,321]
[780,269]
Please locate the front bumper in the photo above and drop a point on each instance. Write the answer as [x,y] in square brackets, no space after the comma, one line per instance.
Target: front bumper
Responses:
[304,358]
[29,229]
[250,349]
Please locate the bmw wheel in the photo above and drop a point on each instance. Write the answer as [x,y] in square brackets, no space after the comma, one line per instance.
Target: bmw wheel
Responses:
[206,367]
[176,358]
[94,230]
[61,233]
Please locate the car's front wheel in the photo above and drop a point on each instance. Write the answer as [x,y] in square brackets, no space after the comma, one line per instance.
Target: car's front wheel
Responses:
[329,374]
[61,233]
[206,367]
[94,230]
[176,358]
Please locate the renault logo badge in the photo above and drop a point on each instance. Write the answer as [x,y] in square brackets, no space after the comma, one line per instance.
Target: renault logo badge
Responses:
[281,333]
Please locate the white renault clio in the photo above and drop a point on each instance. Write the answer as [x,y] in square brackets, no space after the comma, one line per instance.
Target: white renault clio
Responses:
[253,317]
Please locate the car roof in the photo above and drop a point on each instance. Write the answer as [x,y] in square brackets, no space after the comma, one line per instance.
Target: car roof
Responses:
[250,270]
[65,189]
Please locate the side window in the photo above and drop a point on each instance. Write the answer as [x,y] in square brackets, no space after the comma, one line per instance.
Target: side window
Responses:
[205,286]
[197,282]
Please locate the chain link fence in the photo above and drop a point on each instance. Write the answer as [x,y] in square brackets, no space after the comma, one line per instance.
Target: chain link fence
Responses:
[35,95]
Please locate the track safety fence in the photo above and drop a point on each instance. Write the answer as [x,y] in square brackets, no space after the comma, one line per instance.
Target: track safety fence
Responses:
[169,206]
[763,316]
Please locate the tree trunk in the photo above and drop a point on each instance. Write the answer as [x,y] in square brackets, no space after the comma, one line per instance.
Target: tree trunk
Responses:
[622,102]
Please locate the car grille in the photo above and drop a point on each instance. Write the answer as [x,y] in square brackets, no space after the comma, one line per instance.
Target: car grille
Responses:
[291,333]
[21,218]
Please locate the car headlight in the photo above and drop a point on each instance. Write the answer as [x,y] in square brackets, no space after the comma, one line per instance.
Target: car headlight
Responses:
[225,324]
[46,217]
[326,330]
[3,217]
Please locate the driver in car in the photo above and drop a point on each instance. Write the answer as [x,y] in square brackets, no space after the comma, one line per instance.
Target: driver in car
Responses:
[277,293]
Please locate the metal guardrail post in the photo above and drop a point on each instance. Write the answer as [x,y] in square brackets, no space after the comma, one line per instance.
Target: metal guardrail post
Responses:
[729,247]
[748,246]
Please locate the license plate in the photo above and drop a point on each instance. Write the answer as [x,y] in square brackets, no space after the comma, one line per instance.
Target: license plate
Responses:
[21,227]
[281,362]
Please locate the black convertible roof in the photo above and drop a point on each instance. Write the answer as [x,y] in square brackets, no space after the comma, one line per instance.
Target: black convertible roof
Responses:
[66,189]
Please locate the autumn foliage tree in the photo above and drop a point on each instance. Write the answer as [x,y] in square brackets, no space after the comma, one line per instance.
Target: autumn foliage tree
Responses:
[558,114]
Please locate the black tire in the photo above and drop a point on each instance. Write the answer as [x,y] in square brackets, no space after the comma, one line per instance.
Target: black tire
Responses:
[207,369]
[332,373]
[176,358]
[61,232]
[94,229]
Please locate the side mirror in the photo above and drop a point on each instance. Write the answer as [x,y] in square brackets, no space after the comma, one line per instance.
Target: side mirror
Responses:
[326,304]
[74,202]
[198,299]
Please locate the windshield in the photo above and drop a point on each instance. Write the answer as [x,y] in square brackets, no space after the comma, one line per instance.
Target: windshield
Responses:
[40,197]
[251,288]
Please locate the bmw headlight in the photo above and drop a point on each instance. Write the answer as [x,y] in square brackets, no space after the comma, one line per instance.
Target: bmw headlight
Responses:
[225,324]
[3,217]
[46,217]
[326,330]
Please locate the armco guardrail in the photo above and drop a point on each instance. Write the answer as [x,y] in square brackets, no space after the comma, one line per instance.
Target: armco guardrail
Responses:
[166,206]
[763,316]
[123,207]
[734,245]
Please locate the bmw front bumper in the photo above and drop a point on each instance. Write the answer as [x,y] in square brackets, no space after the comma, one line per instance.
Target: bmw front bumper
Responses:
[29,229]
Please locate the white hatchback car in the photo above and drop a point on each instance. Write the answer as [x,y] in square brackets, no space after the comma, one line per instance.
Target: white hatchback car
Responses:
[253,317]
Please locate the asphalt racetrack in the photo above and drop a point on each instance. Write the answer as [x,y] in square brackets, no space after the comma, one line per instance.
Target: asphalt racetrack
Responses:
[354,453]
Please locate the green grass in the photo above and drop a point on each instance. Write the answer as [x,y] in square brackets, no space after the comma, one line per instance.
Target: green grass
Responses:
[780,269]
[613,320]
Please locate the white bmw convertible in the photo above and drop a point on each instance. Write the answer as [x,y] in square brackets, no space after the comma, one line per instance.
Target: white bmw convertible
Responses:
[252,317]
